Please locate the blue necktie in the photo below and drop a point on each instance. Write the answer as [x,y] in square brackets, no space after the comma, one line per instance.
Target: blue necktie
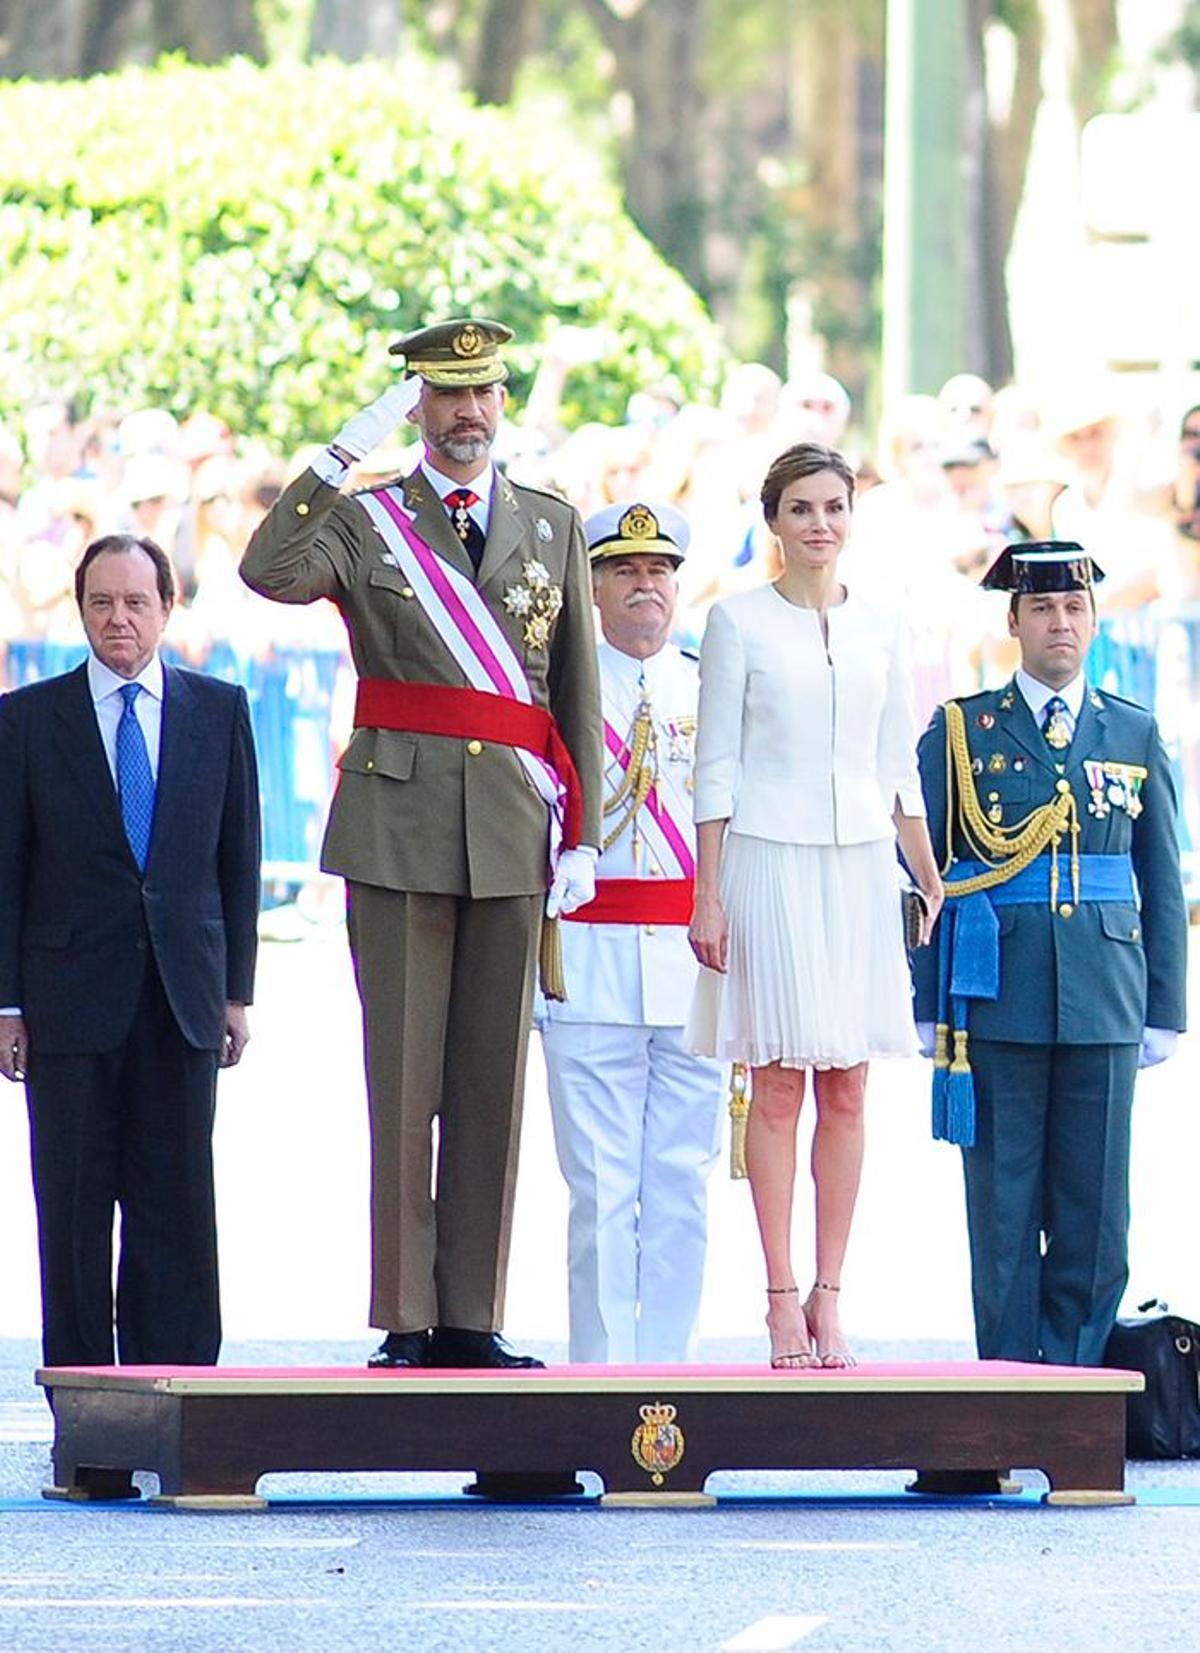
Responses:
[135,783]
[1056,723]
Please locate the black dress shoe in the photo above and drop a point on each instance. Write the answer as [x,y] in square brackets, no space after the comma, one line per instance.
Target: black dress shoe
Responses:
[454,1346]
[402,1349]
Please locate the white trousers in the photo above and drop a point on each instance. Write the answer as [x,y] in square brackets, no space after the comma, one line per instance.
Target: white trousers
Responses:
[637,1126]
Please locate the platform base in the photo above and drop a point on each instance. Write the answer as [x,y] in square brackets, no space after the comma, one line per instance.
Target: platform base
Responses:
[1088,1498]
[652,1434]
[657,1500]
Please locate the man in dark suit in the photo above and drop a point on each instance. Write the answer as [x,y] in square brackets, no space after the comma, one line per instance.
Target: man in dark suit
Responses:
[468,603]
[129,879]
[1059,965]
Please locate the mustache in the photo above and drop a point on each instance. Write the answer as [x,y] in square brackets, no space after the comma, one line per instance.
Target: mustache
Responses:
[636,598]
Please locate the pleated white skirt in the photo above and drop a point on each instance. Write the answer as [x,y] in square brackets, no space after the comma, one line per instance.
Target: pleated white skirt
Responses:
[817,975]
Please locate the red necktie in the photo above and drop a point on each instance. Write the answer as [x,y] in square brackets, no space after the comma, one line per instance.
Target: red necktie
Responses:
[459,502]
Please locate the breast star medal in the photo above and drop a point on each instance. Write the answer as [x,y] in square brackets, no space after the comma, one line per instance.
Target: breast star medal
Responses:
[536,600]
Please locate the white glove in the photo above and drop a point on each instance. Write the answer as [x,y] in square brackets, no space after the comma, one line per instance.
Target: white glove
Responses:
[927,1037]
[1157,1044]
[367,429]
[574,881]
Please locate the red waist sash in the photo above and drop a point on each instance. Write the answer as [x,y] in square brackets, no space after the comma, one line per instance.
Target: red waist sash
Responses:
[444,709]
[638,901]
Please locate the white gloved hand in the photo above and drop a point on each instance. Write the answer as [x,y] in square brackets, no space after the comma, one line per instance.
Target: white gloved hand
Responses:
[1157,1044]
[927,1037]
[366,430]
[574,882]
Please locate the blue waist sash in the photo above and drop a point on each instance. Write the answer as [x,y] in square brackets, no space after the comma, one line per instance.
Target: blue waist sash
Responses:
[969,961]
[969,958]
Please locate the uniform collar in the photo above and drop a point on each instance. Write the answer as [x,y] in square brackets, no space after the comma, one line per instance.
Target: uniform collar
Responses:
[443,485]
[1036,694]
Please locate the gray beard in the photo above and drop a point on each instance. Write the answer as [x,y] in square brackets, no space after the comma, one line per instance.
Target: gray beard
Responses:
[462,450]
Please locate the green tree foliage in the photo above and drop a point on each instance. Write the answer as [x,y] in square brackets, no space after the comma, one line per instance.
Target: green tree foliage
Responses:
[250,239]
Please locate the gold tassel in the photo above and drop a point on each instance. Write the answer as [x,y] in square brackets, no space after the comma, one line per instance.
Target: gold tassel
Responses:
[739,1116]
[550,962]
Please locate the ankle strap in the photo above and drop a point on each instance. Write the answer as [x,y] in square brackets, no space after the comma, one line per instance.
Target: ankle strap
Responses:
[824,1285]
[782,1291]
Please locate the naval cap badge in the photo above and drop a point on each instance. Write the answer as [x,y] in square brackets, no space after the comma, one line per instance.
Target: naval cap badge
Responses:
[638,523]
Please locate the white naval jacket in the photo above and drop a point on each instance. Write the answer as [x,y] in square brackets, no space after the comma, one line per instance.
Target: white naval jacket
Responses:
[637,975]
[799,743]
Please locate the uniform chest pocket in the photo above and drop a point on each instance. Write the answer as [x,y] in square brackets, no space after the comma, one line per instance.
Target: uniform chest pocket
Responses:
[391,595]
[387,752]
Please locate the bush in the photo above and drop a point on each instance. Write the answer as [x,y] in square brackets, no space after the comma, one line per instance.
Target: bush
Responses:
[251,239]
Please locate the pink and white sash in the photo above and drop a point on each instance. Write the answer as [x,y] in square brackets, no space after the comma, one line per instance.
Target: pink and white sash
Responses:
[466,625]
[667,840]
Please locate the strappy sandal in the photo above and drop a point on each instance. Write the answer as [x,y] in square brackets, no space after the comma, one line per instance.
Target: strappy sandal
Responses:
[789,1359]
[833,1356]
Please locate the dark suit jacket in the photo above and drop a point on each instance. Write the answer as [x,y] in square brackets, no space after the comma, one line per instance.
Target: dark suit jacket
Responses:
[77,918]
[1099,973]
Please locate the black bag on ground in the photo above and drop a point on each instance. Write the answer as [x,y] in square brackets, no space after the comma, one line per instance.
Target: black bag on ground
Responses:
[1163,1421]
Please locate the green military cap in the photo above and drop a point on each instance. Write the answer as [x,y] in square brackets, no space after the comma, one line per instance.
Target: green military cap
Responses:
[465,351]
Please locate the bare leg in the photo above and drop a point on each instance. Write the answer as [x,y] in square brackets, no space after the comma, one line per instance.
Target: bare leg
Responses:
[837,1156]
[777,1094]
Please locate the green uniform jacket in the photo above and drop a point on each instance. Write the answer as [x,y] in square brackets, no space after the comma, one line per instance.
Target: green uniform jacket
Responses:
[422,812]
[1101,972]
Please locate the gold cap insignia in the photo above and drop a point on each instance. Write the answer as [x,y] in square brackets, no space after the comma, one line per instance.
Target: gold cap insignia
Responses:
[638,523]
[467,341]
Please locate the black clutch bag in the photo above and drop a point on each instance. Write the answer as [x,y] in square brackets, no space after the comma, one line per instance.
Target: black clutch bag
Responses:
[912,913]
[1163,1421]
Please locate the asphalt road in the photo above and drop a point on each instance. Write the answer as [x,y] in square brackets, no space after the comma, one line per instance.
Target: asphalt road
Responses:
[823,1561]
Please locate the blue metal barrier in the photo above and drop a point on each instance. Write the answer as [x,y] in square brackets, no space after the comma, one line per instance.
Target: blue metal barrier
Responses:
[1152,658]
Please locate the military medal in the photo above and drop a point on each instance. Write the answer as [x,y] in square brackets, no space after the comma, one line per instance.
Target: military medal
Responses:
[1099,805]
[985,720]
[536,601]
[995,812]
[997,763]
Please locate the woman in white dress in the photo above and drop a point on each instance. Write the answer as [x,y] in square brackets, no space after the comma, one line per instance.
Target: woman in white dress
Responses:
[805,778]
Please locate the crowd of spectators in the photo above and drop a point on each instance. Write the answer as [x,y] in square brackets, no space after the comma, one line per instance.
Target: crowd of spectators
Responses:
[945,483]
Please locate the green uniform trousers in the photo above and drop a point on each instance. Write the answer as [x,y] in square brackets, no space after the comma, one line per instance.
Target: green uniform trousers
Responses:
[1048,1197]
[446,984]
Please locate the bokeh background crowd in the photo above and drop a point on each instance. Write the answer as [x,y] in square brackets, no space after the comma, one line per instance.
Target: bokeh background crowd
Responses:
[951,237]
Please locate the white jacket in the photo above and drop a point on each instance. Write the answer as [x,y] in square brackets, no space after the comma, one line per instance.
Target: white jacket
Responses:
[638,975]
[801,744]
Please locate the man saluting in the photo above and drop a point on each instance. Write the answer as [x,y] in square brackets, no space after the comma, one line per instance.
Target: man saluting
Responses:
[474,764]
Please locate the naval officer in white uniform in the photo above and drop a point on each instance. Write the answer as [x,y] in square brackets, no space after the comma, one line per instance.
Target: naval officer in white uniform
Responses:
[636,1116]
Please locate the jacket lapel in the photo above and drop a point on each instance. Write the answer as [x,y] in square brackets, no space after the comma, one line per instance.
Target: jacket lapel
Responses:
[78,737]
[176,752]
[1021,727]
[1091,731]
[505,531]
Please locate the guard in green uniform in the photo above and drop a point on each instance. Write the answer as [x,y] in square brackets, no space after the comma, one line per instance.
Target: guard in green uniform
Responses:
[1059,964]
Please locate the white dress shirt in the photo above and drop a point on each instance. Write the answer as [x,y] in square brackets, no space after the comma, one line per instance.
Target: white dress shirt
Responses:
[801,741]
[106,688]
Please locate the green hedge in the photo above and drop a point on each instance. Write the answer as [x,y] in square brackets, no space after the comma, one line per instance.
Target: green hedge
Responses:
[250,239]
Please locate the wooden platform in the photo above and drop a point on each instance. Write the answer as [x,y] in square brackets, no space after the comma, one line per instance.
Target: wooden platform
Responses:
[652,1434]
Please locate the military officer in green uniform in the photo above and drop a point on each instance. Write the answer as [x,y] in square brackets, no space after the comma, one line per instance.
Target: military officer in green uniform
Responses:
[1059,966]
[471,785]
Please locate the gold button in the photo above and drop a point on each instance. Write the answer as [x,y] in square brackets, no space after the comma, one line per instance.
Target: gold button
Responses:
[474,747]
[302,508]
[406,591]
[1065,910]
[370,763]
[650,929]
[1063,786]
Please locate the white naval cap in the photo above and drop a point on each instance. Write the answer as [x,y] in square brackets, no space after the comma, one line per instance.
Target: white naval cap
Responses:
[635,528]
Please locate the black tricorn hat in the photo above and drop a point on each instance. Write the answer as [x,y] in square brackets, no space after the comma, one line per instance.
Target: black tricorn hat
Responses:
[1042,565]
